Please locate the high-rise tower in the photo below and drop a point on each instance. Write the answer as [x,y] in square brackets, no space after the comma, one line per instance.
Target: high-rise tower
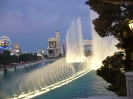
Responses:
[57,39]
[53,49]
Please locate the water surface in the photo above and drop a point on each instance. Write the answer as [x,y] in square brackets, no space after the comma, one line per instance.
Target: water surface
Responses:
[84,87]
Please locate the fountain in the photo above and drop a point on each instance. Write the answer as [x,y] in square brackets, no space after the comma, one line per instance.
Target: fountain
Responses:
[55,74]
[58,73]
[74,43]
[102,47]
[47,78]
[61,71]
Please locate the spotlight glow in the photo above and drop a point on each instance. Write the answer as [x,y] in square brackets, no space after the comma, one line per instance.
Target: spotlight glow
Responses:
[37,82]
[74,43]
[102,47]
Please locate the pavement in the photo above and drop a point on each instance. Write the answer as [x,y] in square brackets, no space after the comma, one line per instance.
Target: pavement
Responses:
[107,97]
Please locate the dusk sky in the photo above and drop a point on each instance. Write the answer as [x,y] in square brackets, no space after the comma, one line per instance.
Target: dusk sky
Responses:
[31,22]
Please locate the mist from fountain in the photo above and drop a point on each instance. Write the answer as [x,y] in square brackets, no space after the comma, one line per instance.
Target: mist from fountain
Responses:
[58,73]
[74,43]
[47,78]
[64,71]
[101,47]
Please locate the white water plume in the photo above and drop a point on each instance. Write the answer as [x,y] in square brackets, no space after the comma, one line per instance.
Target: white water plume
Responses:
[102,47]
[74,43]
[47,78]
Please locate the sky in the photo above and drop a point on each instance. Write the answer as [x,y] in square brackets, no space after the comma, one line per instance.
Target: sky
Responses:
[31,22]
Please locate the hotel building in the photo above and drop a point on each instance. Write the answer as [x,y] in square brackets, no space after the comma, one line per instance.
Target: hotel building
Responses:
[53,49]
[16,50]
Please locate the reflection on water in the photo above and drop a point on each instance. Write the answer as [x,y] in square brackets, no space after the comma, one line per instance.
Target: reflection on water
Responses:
[7,80]
[88,85]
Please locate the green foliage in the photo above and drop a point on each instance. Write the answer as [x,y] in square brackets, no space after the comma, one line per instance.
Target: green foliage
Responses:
[112,71]
[28,57]
[120,86]
[45,56]
[113,20]
[60,55]
[6,59]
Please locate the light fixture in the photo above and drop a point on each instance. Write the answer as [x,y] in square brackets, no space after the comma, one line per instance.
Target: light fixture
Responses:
[131,25]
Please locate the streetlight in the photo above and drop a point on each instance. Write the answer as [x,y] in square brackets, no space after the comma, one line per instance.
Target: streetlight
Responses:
[131,28]
[129,75]
[131,25]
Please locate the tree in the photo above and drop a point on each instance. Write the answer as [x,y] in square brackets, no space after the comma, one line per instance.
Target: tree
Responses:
[5,58]
[28,57]
[113,20]
[14,59]
[110,67]
[113,72]
[60,55]
[45,56]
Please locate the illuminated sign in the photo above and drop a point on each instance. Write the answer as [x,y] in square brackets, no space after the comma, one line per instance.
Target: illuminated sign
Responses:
[52,44]
[4,42]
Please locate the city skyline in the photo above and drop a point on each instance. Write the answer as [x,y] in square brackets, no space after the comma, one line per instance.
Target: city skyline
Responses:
[31,23]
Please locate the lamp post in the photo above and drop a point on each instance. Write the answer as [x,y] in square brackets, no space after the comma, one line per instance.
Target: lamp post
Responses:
[131,28]
[129,75]
[131,25]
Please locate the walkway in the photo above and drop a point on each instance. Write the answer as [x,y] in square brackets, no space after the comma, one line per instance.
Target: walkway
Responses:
[107,97]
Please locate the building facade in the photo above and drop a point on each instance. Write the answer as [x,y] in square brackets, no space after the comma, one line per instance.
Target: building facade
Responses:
[87,45]
[53,49]
[16,50]
[41,53]
[64,47]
